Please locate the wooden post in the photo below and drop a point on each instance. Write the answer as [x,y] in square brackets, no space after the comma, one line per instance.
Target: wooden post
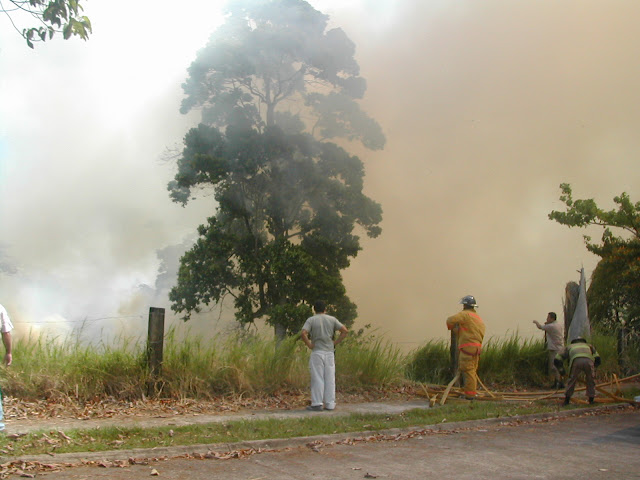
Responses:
[454,355]
[155,341]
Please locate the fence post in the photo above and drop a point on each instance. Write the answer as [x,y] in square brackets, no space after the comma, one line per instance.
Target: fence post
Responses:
[453,352]
[155,341]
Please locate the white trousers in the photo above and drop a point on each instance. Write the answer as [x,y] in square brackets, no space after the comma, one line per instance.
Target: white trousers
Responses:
[322,366]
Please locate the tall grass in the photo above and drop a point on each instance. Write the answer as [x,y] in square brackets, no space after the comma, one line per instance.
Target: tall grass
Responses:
[431,363]
[513,360]
[48,368]
[607,346]
[505,361]
[369,362]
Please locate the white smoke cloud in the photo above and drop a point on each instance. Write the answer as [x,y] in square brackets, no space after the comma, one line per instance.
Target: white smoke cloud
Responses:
[487,108]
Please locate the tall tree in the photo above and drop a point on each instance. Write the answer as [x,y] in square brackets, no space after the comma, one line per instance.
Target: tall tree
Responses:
[614,293]
[274,86]
[52,16]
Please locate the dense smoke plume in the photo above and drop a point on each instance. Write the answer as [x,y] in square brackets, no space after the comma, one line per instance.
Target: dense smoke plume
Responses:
[487,107]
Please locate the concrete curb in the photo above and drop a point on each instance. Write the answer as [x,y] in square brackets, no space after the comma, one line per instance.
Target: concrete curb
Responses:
[282,443]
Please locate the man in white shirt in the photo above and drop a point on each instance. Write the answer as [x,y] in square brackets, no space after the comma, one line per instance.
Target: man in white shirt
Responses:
[317,335]
[5,329]
[554,337]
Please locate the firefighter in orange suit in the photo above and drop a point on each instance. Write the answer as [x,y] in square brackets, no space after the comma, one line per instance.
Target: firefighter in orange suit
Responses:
[469,329]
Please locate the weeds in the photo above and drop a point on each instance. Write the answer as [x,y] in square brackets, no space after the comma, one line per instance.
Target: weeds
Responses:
[50,369]
[510,361]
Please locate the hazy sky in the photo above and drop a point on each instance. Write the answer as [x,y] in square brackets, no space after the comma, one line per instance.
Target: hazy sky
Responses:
[487,106]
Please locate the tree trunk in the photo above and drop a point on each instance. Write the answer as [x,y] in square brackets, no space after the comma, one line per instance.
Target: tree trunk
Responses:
[271,108]
[280,332]
[622,340]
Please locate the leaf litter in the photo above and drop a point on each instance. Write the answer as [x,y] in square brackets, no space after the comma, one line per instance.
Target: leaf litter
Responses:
[110,407]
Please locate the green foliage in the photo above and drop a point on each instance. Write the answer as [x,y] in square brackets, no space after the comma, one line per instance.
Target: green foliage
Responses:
[47,368]
[55,15]
[274,84]
[54,370]
[431,363]
[369,361]
[284,228]
[275,57]
[607,346]
[581,213]
[614,293]
[511,360]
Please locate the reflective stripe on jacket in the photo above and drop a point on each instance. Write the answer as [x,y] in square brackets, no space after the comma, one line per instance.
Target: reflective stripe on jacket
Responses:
[470,331]
[578,350]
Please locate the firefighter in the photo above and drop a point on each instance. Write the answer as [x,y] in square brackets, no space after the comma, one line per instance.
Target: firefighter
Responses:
[469,329]
[582,357]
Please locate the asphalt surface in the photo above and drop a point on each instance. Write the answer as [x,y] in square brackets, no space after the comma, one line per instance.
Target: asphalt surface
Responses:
[597,443]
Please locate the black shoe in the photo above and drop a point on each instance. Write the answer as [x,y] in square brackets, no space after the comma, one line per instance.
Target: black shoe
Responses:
[566,401]
[314,408]
[591,400]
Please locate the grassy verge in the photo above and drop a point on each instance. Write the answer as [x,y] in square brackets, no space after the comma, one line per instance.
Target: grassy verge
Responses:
[194,368]
[514,360]
[115,438]
[63,371]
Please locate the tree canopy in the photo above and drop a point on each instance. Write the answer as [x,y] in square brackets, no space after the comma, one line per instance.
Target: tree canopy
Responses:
[614,293]
[274,85]
[52,16]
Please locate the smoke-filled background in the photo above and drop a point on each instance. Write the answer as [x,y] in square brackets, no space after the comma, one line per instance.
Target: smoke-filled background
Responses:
[487,107]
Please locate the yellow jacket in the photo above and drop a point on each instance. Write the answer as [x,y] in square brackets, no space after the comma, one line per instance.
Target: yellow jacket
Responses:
[470,332]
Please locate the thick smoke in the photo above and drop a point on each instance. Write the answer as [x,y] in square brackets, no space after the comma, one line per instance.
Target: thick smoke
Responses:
[487,107]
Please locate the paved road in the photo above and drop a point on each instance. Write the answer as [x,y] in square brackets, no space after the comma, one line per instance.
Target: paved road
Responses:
[594,447]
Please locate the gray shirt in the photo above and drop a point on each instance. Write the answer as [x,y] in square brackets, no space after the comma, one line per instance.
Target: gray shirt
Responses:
[321,328]
[555,338]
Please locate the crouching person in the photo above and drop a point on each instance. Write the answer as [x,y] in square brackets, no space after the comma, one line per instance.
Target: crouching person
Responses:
[582,357]
[317,334]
